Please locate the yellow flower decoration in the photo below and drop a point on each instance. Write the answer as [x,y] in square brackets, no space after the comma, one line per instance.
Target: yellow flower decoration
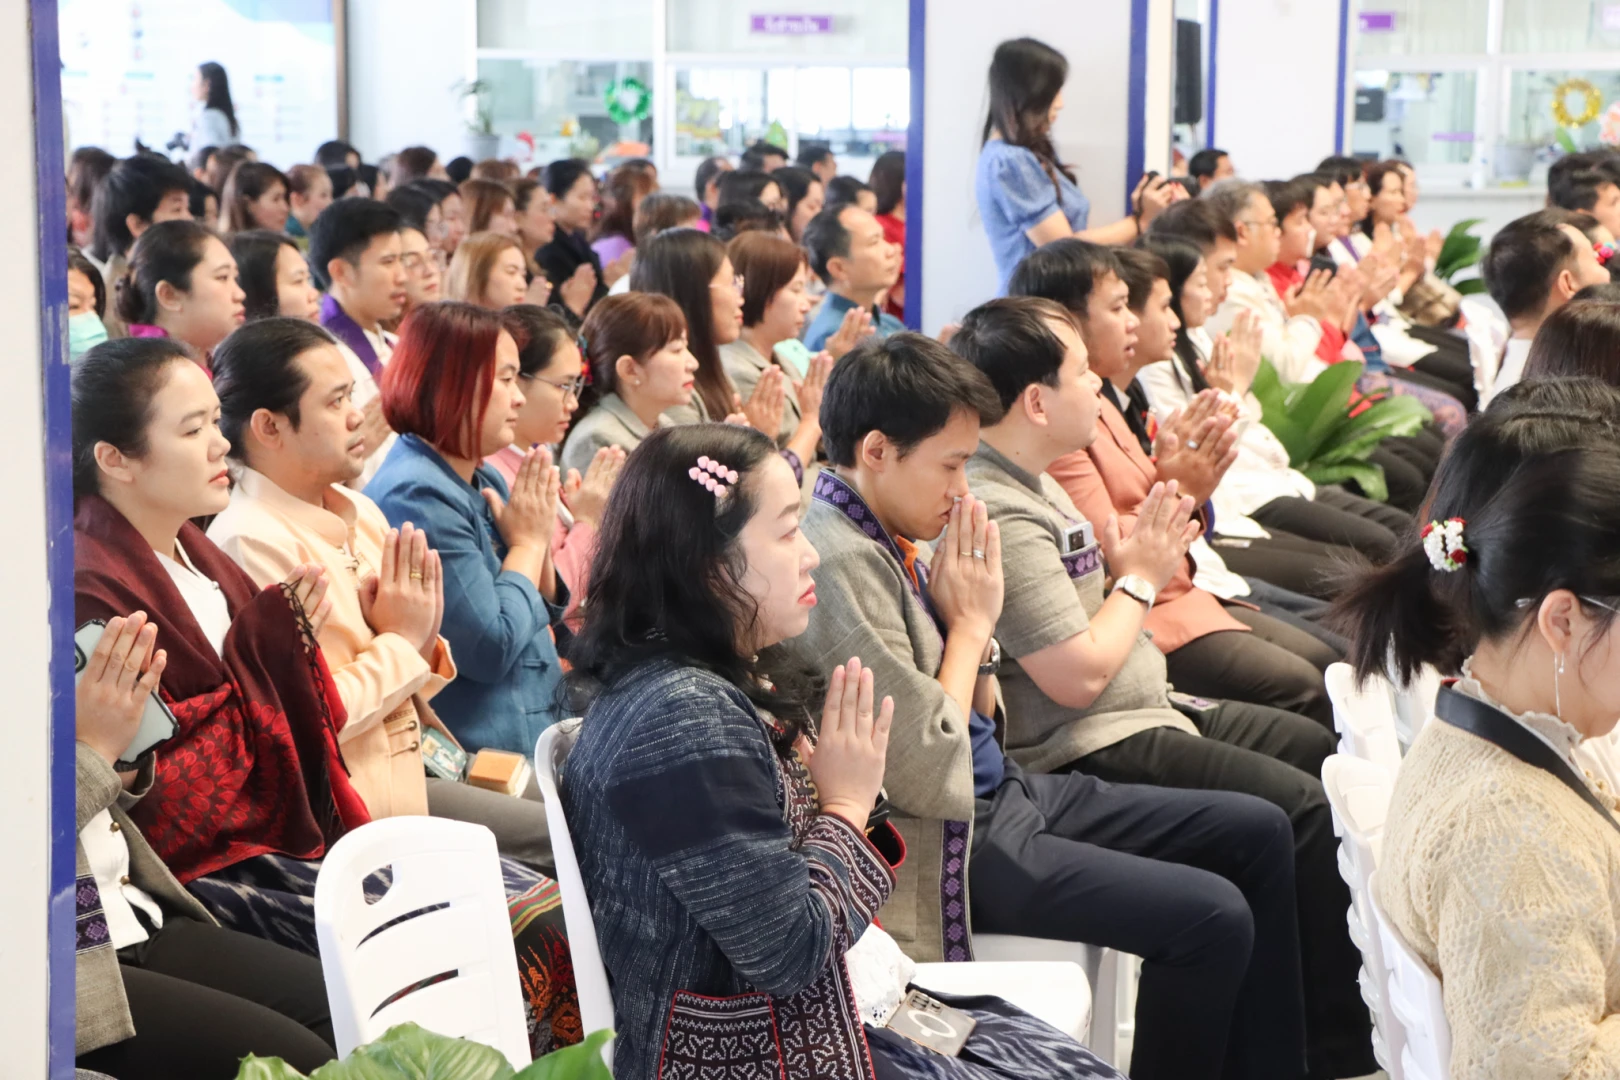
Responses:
[1560,108]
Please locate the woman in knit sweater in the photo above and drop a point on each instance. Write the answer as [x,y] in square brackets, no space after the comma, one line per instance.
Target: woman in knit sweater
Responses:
[729,844]
[1501,855]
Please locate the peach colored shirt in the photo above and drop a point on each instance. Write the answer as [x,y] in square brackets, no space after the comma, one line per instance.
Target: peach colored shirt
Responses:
[572,546]
[269,532]
[1113,476]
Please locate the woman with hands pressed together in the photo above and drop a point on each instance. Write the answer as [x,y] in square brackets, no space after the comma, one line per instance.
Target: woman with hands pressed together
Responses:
[452,392]
[150,959]
[551,374]
[726,837]
[251,789]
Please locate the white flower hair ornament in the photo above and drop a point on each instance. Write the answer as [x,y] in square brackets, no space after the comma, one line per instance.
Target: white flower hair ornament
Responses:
[714,477]
[1443,544]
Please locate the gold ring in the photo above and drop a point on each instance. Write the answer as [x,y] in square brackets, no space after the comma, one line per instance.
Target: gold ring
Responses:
[416,575]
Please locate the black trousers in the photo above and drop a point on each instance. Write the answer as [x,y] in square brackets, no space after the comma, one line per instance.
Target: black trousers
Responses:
[1303,566]
[1200,884]
[1337,517]
[1275,664]
[1301,612]
[1277,756]
[1409,463]
[202,996]
[1449,368]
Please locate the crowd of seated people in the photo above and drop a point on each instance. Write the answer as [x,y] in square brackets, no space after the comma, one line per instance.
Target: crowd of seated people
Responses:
[877,637]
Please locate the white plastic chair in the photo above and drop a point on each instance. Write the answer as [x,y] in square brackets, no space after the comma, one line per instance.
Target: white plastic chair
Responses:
[590,975]
[1487,331]
[1053,991]
[1417,1004]
[1110,1016]
[1364,716]
[1414,703]
[1359,793]
[445,912]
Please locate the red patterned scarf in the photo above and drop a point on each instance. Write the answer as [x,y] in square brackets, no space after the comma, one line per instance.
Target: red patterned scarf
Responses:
[255,767]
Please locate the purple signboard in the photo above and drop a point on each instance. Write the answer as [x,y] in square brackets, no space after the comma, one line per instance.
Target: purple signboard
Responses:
[1377,22]
[791,24]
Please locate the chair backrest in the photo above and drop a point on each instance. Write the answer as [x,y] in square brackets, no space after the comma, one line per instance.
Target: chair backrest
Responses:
[1414,703]
[1364,716]
[443,918]
[1487,330]
[590,975]
[1359,793]
[1417,1002]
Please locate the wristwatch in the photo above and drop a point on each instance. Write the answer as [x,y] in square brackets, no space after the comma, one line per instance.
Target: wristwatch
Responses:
[1138,589]
[992,665]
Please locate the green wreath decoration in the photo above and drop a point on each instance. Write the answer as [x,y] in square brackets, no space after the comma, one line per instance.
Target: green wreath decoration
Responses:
[635,90]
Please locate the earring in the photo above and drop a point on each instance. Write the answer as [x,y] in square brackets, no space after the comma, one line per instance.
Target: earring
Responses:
[1558,699]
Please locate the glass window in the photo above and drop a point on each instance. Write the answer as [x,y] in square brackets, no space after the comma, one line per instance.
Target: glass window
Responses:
[1533,95]
[562,107]
[1424,117]
[600,27]
[860,112]
[1420,27]
[845,28]
[1560,25]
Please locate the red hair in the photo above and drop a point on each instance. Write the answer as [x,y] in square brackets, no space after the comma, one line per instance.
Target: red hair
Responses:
[437,384]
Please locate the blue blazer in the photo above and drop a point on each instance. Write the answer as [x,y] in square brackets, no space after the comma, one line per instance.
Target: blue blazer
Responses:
[497,623]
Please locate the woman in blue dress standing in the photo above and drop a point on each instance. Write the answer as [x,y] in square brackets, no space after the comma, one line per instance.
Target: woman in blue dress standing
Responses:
[1027,197]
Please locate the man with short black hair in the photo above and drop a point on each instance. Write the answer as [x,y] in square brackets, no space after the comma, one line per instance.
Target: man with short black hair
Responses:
[764,157]
[1085,688]
[1534,265]
[1209,167]
[335,153]
[355,244]
[849,253]
[1180,878]
[819,159]
[138,193]
[1589,182]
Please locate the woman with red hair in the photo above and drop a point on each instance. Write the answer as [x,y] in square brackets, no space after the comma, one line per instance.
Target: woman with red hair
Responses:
[451,391]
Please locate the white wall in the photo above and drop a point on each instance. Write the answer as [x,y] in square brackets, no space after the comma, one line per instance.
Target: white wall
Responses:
[958,272]
[1276,84]
[401,67]
[24,642]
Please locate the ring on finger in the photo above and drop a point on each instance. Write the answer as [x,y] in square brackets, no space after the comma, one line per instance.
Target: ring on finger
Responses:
[416,575]
[1192,444]
[978,553]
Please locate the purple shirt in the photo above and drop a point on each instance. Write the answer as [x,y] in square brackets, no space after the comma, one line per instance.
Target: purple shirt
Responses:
[609,248]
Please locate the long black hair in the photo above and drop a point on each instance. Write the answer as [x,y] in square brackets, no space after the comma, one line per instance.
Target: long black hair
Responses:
[113,387]
[1533,479]
[1025,78]
[1182,259]
[219,94]
[680,264]
[256,252]
[666,581]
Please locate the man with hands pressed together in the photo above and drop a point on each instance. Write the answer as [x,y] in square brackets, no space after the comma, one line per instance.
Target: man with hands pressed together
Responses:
[287,407]
[1229,653]
[1085,688]
[1198,883]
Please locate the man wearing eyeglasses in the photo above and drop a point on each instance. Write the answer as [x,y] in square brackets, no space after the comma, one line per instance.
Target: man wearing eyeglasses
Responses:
[848,252]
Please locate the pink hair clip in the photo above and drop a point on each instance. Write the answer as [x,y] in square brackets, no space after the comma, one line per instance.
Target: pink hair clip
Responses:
[714,476]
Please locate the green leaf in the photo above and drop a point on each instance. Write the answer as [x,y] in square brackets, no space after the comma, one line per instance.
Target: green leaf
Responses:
[1323,406]
[1277,412]
[1460,251]
[258,1068]
[1469,286]
[1369,477]
[1567,141]
[581,1062]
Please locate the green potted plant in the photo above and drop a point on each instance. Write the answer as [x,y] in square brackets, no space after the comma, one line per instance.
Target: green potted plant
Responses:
[1326,440]
[409,1052]
[482,142]
[1461,252]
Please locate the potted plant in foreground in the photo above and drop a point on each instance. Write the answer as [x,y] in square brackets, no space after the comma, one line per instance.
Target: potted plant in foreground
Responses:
[410,1052]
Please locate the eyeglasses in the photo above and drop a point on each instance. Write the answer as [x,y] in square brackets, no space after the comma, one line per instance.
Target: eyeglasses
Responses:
[736,284]
[569,389]
[1269,223]
[1530,601]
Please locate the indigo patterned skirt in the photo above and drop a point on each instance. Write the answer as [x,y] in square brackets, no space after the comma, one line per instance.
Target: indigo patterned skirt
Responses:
[1007,1044]
[273,897]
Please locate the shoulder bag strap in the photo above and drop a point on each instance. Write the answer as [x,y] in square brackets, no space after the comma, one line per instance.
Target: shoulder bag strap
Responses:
[1490,724]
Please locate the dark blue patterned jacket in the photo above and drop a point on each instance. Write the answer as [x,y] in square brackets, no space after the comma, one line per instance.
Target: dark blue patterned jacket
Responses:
[724,901]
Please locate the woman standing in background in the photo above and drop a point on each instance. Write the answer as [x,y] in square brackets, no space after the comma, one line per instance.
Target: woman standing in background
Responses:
[888,182]
[214,122]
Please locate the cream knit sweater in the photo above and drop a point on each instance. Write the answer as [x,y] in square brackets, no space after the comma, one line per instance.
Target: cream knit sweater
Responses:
[1508,885]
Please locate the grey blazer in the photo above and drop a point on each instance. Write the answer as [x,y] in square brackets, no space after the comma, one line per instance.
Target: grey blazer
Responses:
[744,366]
[610,423]
[101,1007]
